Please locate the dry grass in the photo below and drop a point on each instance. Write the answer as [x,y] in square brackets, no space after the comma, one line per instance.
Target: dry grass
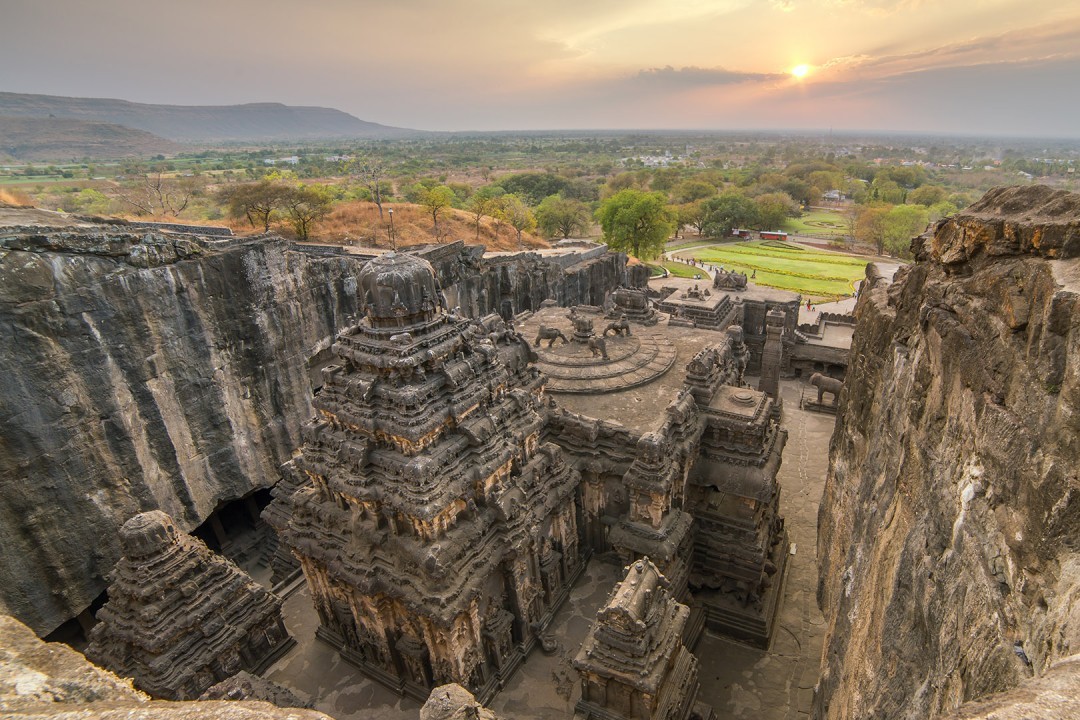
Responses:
[15,197]
[359,222]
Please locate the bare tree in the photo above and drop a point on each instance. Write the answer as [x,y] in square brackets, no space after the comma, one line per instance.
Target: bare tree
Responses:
[370,172]
[155,194]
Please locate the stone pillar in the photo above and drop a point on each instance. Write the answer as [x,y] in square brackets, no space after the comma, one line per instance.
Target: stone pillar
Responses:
[772,355]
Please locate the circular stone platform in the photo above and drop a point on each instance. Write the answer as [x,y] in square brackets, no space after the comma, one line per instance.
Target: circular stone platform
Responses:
[632,361]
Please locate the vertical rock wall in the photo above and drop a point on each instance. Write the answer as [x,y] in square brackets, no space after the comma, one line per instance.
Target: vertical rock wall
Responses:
[949,530]
[149,371]
[124,389]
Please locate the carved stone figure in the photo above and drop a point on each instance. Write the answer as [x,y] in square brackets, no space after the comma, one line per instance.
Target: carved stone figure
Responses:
[551,334]
[618,327]
[826,384]
[729,280]
[598,346]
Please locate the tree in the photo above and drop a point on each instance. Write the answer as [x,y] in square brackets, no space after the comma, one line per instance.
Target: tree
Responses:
[518,215]
[940,210]
[435,200]
[534,186]
[483,203]
[562,217]
[900,224]
[306,205]
[258,202]
[927,195]
[636,222]
[154,194]
[727,211]
[870,225]
[370,172]
[774,209]
[690,190]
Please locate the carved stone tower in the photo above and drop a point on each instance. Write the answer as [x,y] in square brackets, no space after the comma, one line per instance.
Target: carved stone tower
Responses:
[180,618]
[633,663]
[436,532]
[772,355]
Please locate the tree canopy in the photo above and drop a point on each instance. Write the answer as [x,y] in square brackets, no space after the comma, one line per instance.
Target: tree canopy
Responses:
[636,222]
[727,211]
[562,217]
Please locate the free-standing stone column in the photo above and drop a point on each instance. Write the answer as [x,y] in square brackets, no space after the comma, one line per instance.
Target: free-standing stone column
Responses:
[772,355]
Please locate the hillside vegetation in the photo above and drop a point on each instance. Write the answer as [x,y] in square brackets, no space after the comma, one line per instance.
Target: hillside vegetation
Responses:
[23,138]
[253,122]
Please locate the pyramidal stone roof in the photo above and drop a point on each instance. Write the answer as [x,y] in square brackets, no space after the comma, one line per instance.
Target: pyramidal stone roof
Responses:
[180,618]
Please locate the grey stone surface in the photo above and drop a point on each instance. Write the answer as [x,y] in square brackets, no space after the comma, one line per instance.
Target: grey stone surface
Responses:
[949,520]
[146,370]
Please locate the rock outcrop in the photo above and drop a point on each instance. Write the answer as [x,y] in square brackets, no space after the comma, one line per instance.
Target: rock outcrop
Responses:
[152,370]
[50,680]
[144,373]
[948,528]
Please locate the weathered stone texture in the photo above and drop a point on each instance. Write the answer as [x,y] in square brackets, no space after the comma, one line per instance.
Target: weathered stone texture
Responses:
[163,371]
[949,523]
[179,617]
[122,389]
[50,680]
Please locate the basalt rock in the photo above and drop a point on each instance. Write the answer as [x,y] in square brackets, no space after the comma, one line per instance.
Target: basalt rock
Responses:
[179,618]
[159,370]
[50,680]
[125,388]
[948,528]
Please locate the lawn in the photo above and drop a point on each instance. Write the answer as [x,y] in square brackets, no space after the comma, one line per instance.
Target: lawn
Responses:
[682,270]
[816,274]
[817,222]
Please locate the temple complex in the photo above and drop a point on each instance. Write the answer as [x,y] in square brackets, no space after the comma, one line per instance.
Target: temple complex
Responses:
[633,663]
[436,527]
[179,618]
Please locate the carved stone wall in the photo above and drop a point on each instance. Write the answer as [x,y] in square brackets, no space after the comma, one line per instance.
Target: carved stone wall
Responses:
[436,530]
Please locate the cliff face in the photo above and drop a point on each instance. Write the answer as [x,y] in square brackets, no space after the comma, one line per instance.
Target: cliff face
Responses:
[143,370]
[143,373]
[949,530]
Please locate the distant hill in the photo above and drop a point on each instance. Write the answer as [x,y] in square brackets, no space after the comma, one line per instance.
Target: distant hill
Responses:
[59,139]
[255,122]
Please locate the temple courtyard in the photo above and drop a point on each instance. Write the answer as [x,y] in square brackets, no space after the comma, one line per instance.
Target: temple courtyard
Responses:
[738,680]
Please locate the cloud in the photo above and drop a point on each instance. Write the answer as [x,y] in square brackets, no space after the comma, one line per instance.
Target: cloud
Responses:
[1045,42]
[696,77]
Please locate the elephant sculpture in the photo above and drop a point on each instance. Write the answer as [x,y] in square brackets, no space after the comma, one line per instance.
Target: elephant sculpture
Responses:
[598,346]
[551,334]
[618,327]
[826,384]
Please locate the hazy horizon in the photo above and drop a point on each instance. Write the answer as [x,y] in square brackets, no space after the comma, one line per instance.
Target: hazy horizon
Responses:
[988,68]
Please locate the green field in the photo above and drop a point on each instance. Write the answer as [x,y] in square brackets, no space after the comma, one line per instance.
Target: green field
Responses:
[817,222]
[683,270]
[816,274]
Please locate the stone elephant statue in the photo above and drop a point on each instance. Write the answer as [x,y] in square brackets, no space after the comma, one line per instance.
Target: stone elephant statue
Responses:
[826,384]
[551,334]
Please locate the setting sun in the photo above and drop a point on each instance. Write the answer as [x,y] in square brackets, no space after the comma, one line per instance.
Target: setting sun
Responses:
[800,71]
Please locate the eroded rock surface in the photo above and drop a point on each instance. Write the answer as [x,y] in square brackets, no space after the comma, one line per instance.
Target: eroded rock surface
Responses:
[949,523]
[153,370]
[50,680]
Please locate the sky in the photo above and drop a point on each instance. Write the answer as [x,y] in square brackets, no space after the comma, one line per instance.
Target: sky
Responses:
[988,67]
